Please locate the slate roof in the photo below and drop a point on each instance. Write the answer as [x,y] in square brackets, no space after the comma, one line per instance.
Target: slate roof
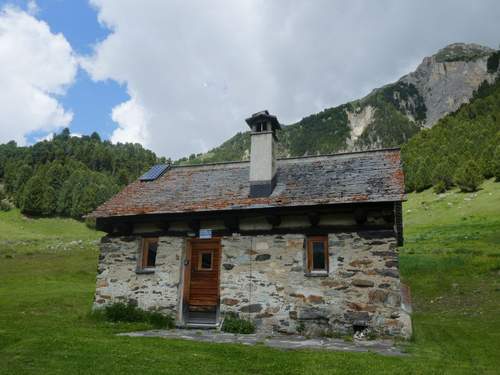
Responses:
[371,176]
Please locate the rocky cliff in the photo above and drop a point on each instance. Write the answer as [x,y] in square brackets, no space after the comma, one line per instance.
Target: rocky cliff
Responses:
[386,117]
[448,79]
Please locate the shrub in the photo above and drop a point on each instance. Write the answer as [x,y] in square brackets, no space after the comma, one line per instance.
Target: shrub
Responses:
[5,205]
[468,177]
[301,328]
[496,164]
[234,324]
[90,222]
[440,187]
[130,313]
[121,312]
[159,320]
[443,177]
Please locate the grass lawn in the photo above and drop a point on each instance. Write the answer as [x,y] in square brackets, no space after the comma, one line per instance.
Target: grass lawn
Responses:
[451,259]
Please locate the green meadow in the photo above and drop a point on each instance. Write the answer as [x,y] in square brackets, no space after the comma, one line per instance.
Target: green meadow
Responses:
[451,260]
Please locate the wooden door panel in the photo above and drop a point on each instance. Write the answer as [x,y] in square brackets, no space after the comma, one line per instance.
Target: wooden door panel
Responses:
[204,273]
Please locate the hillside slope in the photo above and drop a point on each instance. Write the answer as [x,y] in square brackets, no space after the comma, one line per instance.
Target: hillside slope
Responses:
[388,116]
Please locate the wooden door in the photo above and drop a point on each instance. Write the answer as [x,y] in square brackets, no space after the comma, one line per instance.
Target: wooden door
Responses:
[203,273]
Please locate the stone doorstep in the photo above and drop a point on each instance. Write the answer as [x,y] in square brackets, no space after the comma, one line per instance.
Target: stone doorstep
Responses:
[283,342]
[202,325]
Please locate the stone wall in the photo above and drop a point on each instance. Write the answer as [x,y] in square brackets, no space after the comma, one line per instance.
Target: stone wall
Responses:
[263,278]
[118,281]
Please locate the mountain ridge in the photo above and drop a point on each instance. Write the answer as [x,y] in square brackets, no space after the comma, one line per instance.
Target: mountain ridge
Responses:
[388,116]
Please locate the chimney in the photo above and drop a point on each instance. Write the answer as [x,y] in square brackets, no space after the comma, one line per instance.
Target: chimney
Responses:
[262,153]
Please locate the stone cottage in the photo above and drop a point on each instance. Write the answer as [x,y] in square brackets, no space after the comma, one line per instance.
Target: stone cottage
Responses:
[303,244]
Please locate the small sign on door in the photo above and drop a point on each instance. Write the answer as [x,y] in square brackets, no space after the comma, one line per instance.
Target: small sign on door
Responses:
[205,234]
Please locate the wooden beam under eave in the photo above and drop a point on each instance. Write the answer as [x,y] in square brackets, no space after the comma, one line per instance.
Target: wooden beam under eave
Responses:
[274,220]
[124,229]
[313,219]
[194,225]
[360,215]
[232,223]
[164,225]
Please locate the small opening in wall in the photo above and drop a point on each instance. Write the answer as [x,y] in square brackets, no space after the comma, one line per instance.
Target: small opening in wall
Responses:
[357,328]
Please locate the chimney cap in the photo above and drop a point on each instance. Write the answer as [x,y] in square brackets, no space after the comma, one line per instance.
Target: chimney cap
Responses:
[263,116]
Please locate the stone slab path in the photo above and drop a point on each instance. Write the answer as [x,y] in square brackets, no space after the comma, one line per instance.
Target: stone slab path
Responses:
[285,342]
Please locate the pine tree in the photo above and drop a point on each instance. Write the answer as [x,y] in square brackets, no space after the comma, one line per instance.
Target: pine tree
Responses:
[443,177]
[31,200]
[468,177]
[84,200]
[422,176]
[56,175]
[49,201]
[69,192]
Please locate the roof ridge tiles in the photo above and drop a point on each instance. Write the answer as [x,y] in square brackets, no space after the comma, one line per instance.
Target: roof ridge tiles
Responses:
[290,158]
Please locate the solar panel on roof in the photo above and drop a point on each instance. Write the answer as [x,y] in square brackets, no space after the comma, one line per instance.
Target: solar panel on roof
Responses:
[155,172]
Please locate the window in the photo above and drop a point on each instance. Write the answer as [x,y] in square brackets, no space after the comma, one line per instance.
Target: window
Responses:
[149,248]
[317,254]
[205,261]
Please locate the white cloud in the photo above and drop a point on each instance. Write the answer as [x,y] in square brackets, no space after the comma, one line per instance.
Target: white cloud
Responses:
[47,137]
[50,136]
[198,68]
[32,7]
[131,118]
[37,67]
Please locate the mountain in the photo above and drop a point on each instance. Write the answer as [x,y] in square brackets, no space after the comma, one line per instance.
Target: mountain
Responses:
[461,149]
[388,116]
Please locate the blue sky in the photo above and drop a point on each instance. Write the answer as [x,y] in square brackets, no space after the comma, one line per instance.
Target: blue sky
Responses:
[90,101]
[180,76]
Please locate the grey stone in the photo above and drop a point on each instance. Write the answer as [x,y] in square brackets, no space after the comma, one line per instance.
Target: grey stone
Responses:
[312,314]
[376,235]
[389,273]
[128,238]
[362,283]
[378,296]
[391,263]
[357,316]
[384,253]
[230,301]
[228,266]
[262,257]
[253,308]
[106,239]
[347,274]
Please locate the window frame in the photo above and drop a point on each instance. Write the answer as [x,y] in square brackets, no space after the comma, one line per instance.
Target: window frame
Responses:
[309,255]
[146,241]
[200,260]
